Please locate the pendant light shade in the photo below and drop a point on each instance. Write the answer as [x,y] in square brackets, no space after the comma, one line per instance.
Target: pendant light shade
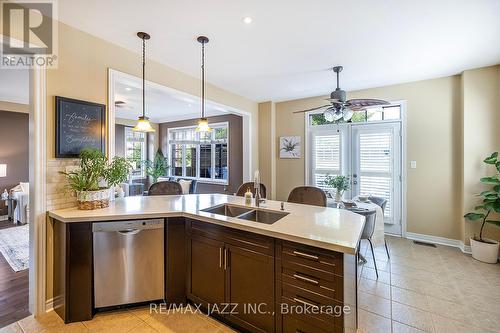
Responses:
[143,124]
[203,121]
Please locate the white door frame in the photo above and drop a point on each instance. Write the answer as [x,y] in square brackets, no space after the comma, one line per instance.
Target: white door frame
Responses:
[248,143]
[404,172]
[37,179]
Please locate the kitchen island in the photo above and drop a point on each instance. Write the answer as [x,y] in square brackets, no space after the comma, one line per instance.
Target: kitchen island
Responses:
[272,269]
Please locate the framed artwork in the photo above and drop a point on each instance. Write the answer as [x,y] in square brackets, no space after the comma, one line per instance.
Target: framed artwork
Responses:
[290,147]
[79,125]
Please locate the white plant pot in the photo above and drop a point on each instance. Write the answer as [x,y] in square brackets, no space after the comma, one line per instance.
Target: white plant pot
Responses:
[485,252]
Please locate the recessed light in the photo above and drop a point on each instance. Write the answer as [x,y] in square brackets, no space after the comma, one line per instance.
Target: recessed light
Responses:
[247,19]
[128,88]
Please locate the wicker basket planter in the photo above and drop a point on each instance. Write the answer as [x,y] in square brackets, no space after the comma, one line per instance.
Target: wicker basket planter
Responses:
[88,200]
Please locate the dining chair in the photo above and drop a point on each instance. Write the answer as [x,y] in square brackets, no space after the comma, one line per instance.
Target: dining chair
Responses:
[308,195]
[368,229]
[250,185]
[165,188]
[381,202]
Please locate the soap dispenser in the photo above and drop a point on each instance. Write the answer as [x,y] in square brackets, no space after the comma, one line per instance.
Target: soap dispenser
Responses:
[248,197]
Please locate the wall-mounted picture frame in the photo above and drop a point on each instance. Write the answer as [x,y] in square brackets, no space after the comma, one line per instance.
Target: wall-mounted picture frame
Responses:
[79,125]
[290,147]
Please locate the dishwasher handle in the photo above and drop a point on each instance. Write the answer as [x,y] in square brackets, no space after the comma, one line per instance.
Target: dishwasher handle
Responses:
[129,231]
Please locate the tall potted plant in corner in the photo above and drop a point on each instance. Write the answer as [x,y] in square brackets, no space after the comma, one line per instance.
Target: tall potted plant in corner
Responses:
[95,170]
[158,167]
[339,183]
[484,249]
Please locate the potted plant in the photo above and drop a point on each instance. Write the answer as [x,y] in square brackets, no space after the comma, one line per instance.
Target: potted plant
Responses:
[339,183]
[95,170]
[484,249]
[158,167]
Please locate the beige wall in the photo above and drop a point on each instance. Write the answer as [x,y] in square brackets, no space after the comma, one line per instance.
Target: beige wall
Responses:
[433,137]
[82,74]
[481,133]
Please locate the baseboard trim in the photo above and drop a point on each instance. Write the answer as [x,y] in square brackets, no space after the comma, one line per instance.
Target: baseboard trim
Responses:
[439,240]
[49,305]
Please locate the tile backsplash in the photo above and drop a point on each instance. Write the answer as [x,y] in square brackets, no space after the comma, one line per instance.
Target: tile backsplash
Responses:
[58,196]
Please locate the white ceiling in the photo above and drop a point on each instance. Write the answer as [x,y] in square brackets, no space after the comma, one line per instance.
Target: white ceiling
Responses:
[14,86]
[162,104]
[286,51]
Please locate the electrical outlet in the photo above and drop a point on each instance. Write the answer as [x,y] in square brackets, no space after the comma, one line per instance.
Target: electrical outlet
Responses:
[413,164]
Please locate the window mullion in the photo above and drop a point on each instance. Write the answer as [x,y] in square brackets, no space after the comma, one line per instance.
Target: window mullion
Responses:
[183,160]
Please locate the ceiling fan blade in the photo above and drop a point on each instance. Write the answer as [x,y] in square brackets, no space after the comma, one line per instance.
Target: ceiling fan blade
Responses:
[365,102]
[313,109]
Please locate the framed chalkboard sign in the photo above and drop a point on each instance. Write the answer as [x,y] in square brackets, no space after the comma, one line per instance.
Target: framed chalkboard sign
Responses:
[79,125]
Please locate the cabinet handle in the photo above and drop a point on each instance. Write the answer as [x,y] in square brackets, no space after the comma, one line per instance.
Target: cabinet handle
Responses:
[306,255]
[225,259]
[220,257]
[306,303]
[306,279]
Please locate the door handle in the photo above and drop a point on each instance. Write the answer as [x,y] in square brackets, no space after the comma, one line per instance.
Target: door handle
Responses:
[305,303]
[305,279]
[305,255]
[129,231]
[220,257]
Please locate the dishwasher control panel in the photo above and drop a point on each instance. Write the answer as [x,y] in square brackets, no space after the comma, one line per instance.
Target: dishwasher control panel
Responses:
[127,225]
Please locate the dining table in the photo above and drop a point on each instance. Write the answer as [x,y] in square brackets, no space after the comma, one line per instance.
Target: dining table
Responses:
[378,237]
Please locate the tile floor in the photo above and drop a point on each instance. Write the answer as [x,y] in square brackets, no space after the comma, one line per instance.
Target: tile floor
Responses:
[421,289]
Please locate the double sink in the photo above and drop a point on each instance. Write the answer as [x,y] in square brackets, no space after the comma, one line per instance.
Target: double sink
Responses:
[249,214]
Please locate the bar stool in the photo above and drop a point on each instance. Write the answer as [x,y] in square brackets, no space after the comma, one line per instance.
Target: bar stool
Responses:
[308,195]
[165,188]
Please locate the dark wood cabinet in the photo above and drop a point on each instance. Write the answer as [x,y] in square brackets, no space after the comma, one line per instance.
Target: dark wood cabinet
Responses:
[250,285]
[234,270]
[206,272]
[245,279]
[73,271]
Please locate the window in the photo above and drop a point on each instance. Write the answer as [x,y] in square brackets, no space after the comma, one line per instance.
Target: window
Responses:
[135,151]
[326,157]
[202,156]
[392,112]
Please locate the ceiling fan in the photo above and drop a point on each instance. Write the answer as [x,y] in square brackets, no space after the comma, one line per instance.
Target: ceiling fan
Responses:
[340,108]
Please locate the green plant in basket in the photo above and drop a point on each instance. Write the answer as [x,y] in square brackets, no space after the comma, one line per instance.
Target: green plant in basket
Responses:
[94,169]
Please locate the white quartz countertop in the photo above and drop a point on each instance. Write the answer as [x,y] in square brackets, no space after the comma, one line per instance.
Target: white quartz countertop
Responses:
[328,228]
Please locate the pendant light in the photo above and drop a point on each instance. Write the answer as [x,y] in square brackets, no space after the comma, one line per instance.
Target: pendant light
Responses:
[203,121]
[143,124]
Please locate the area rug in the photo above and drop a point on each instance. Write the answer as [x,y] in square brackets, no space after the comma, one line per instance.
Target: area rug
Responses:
[14,245]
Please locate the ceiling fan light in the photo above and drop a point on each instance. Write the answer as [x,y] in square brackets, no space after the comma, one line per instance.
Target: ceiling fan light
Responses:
[329,116]
[143,125]
[348,113]
[337,115]
[203,126]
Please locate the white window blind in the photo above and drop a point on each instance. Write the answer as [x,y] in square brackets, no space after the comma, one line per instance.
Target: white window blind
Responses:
[375,152]
[326,158]
[327,152]
[375,161]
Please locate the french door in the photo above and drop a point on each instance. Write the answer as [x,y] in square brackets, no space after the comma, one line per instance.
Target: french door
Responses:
[370,154]
[376,167]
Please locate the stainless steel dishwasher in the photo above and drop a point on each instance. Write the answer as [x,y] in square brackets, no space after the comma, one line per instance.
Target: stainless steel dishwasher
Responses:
[128,262]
